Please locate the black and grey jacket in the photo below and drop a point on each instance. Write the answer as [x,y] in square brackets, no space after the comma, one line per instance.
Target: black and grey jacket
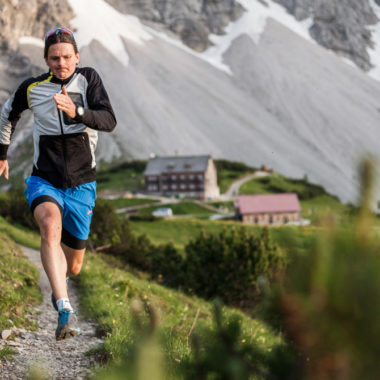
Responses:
[64,148]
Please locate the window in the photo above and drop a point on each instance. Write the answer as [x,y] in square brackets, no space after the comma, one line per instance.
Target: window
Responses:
[200,177]
[174,177]
[174,186]
[191,177]
[182,186]
[182,177]
[192,186]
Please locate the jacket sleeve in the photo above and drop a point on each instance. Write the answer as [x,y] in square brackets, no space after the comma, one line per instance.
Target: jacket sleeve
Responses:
[10,115]
[99,115]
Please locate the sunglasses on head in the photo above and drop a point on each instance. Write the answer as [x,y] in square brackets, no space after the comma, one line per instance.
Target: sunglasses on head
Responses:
[57,31]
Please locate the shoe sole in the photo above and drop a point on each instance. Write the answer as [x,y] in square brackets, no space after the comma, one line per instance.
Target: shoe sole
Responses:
[66,333]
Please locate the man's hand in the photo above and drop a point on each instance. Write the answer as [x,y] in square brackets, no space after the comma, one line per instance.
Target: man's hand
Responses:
[4,168]
[65,103]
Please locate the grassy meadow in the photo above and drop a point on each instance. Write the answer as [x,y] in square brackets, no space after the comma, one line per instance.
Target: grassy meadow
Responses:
[108,289]
[18,278]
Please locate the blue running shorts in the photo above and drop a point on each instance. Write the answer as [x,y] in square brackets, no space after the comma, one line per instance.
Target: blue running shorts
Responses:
[76,205]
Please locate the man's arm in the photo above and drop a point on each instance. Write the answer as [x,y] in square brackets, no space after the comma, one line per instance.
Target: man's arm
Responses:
[99,115]
[9,116]
[4,168]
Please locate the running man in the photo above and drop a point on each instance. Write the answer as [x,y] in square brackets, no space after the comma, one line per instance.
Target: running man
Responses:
[70,105]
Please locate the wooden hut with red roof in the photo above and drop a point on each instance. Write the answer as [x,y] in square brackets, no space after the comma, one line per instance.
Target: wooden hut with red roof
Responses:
[268,208]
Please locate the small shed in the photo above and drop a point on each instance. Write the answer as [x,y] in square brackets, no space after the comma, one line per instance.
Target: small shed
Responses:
[268,208]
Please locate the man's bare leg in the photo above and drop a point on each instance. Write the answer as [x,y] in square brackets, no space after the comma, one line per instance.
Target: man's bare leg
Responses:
[74,259]
[49,220]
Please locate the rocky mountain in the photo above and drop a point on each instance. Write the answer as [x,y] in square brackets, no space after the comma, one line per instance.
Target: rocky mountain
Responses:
[240,79]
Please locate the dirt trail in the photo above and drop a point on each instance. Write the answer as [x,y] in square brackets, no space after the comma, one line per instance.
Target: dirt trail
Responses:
[38,349]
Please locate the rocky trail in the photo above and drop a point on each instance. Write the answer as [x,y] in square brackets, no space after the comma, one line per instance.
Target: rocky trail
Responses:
[39,351]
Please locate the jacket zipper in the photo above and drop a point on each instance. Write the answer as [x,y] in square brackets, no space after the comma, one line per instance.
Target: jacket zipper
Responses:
[63,146]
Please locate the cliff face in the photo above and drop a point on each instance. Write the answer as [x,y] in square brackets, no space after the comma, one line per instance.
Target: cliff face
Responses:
[341,26]
[191,20]
[30,18]
[25,18]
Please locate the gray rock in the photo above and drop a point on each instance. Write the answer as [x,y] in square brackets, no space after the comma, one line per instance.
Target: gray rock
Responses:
[191,20]
[5,334]
[341,26]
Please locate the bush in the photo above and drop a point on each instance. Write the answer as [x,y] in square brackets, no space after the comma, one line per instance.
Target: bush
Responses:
[229,265]
[328,300]
[107,227]
[14,207]
[167,265]
[233,165]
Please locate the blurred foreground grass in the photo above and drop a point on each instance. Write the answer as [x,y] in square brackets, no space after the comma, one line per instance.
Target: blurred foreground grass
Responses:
[107,289]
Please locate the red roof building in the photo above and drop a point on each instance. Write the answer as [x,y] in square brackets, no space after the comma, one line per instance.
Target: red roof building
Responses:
[268,208]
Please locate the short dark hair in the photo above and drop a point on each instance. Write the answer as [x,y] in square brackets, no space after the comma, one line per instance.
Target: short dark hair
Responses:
[57,38]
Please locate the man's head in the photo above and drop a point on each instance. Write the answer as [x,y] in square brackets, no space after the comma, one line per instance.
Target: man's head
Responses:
[61,52]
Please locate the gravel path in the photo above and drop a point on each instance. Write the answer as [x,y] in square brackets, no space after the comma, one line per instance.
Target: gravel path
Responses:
[38,349]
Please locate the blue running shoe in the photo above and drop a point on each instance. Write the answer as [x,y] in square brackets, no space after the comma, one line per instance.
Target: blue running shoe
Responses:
[67,325]
[53,300]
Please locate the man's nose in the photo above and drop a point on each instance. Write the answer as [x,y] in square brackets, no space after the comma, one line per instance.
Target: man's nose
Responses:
[61,61]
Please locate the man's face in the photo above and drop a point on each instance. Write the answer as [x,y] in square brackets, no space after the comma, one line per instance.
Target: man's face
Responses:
[62,60]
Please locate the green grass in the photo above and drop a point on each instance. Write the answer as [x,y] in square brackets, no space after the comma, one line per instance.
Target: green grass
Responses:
[107,290]
[18,283]
[180,208]
[6,351]
[274,183]
[180,231]
[19,234]
[123,177]
[228,205]
[129,202]
[229,171]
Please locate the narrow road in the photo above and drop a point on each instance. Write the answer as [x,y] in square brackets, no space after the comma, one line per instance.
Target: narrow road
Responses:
[38,350]
[233,190]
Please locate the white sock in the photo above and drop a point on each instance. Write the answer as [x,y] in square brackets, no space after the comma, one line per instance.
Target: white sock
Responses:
[64,304]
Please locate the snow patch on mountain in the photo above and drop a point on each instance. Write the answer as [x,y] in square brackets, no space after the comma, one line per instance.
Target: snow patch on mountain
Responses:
[97,20]
[32,41]
[252,23]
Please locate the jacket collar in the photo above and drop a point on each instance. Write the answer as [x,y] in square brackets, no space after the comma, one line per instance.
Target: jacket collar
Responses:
[62,81]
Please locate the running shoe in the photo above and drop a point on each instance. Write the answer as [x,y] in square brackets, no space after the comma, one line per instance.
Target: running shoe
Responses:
[67,325]
[53,300]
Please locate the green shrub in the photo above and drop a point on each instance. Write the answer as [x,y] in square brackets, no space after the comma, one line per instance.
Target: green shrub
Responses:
[328,300]
[144,218]
[229,265]
[14,208]
[107,228]
[233,165]
[167,265]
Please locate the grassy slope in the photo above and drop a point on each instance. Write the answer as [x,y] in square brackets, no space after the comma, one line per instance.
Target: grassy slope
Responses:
[180,231]
[107,291]
[124,177]
[18,283]
[129,202]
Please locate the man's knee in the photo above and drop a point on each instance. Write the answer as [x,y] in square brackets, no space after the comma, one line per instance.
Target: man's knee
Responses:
[74,269]
[50,229]
[48,218]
